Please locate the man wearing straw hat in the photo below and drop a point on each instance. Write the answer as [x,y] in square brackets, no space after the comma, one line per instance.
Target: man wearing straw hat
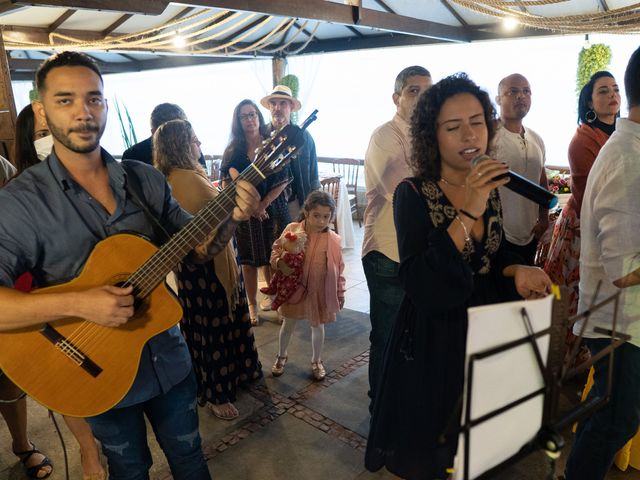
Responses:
[281,103]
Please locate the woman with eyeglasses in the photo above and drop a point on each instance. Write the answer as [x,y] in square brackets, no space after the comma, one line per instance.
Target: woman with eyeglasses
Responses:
[598,107]
[255,236]
[215,322]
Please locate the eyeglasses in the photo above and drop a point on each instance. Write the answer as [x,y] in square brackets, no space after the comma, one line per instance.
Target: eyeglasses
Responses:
[514,92]
[248,116]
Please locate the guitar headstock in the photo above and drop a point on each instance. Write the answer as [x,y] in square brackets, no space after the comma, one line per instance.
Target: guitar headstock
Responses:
[281,147]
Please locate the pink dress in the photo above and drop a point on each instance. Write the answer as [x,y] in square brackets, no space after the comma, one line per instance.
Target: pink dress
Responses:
[322,276]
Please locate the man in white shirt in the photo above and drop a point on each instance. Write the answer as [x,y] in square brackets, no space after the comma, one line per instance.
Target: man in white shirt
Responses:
[523,151]
[386,163]
[609,264]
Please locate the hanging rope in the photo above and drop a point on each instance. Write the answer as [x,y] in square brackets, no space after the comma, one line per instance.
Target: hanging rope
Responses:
[617,20]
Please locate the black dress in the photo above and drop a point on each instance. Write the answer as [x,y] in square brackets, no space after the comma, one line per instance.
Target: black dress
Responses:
[423,374]
[222,346]
[254,237]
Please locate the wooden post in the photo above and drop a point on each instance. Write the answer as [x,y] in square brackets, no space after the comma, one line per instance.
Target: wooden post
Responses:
[277,67]
[7,106]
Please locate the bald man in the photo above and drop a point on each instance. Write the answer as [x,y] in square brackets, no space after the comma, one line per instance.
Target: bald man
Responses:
[523,150]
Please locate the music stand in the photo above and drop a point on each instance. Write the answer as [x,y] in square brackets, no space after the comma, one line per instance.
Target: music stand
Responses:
[513,381]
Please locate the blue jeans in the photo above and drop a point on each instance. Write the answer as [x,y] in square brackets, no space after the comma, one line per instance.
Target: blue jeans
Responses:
[174,419]
[386,294]
[599,437]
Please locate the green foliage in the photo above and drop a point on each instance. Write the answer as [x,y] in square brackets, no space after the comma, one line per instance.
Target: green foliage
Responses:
[590,61]
[127,130]
[293,83]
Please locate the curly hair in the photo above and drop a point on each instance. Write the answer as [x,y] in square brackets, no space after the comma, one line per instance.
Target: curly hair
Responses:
[171,147]
[425,160]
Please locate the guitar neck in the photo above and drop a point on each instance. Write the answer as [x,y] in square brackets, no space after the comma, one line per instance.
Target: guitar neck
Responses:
[270,158]
[166,259]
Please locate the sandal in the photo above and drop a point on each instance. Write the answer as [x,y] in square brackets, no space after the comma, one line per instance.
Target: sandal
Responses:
[34,470]
[318,371]
[278,367]
[253,315]
[224,416]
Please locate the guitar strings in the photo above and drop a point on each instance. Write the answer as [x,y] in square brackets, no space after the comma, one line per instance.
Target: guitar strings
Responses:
[181,242]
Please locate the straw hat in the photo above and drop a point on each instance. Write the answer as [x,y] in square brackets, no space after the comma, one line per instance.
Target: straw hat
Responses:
[279,92]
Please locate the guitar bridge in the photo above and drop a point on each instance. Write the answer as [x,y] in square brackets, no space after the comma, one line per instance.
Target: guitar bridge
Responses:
[70,350]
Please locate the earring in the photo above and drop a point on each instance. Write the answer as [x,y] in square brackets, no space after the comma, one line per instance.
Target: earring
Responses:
[591,116]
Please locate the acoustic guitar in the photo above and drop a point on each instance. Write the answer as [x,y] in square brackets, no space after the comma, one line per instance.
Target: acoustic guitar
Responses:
[79,368]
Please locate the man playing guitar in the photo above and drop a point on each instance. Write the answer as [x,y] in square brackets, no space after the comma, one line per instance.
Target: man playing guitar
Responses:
[53,216]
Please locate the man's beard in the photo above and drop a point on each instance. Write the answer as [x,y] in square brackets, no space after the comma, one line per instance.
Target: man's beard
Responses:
[65,137]
[279,120]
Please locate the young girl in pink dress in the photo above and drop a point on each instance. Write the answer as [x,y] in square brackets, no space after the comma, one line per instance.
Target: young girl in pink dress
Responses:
[321,293]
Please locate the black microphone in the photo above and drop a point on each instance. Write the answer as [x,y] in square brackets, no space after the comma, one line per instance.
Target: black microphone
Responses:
[523,186]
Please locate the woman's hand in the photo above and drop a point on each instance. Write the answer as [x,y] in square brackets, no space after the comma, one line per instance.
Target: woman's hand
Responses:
[479,184]
[531,282]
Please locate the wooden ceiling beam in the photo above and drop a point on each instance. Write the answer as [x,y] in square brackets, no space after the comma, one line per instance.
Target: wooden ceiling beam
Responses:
[304,30]
[354,31]
[386,7]
[6,6]
[41,35]
[146,7]
[453,12]
[342,14]
[60,20]
[116,24]
[309,9]
[242,30]
[31,65]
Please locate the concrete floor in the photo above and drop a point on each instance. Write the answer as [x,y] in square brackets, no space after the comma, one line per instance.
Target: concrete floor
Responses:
[290,428]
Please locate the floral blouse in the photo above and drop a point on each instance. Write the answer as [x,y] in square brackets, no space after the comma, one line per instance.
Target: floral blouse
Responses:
[477,253]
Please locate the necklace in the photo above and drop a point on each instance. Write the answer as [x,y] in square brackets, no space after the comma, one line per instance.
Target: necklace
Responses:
[451,184]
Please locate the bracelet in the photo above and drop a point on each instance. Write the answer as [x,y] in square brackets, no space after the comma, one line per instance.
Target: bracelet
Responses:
[467,238]
[467,214]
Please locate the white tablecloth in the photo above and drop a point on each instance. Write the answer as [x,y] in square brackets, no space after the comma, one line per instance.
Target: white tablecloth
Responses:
[344,223]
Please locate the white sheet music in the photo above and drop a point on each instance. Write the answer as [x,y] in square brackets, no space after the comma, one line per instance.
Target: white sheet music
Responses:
[501,379]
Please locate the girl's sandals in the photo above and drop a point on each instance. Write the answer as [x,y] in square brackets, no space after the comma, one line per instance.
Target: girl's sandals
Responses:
[225,411]
[318,371]
[253,315]
[35,471]
[278,367]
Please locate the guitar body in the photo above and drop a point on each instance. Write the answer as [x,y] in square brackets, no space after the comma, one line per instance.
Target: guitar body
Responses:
[53,374]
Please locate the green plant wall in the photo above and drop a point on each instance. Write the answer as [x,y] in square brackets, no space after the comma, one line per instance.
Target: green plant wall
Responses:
[293,83]
[591,60]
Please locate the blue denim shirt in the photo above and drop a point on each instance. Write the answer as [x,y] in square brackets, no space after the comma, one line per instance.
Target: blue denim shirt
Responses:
[49,225]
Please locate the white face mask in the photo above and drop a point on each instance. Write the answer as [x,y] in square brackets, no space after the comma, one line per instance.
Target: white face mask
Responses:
[43,146]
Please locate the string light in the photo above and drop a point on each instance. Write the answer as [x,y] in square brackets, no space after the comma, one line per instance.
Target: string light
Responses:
[187,33]
[616,20]
[179,41]
[510,23]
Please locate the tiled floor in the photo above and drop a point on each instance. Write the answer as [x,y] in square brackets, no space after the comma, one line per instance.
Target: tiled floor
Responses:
[290,427]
